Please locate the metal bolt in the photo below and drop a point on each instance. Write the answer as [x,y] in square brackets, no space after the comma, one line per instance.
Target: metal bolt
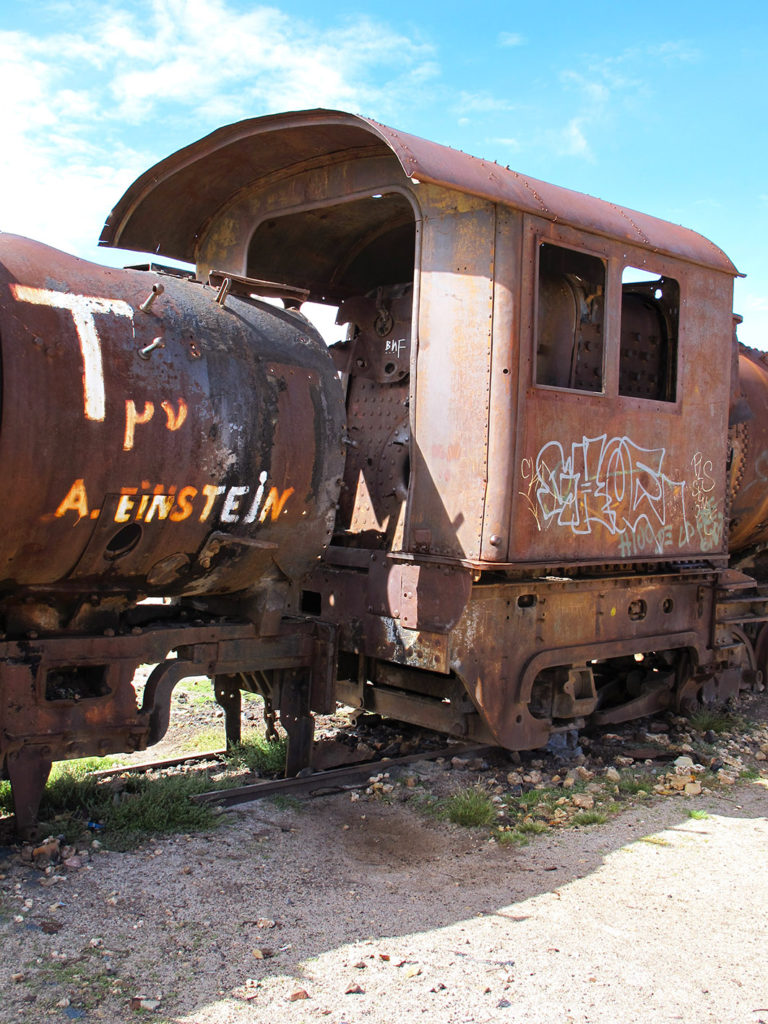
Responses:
[157,289]
[145,353]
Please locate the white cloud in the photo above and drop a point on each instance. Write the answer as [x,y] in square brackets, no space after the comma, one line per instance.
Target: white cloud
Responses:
[572,141]
[593,90]
[507,142]
[94,107]
[481,102]
[676,51]
[511,39]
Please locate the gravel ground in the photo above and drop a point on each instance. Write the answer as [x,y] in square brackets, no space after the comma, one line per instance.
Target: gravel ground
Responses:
[365,909]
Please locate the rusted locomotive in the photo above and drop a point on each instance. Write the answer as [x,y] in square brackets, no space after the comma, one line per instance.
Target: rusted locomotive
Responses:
[522,493]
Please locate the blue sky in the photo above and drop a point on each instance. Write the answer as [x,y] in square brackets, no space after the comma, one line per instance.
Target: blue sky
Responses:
[662,108]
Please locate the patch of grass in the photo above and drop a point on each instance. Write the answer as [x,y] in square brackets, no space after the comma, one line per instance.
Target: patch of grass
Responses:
[654,840]
[629,785]
[144,807]
[512,837]
[6,800]
[198,690]
[469,807]
[589,818]
[155,807]
[531,798]
[82,766]
[208,739]
[749,774]
[532,828]
[698,815]
[711,720]
[64,781]
[539,801]
[258,754]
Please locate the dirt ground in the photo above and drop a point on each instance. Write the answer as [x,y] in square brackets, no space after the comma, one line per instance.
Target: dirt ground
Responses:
[350,909]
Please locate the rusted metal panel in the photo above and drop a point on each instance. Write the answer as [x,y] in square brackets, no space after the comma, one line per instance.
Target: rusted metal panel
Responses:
[512,633]
[449,466]
[503,396]
[369,610]
[158,431]
[165,209]
[604,476]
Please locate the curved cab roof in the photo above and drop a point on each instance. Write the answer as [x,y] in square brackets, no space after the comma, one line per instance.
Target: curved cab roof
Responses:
[166,209]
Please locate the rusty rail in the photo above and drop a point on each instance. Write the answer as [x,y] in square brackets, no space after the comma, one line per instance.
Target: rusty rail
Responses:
[331,780]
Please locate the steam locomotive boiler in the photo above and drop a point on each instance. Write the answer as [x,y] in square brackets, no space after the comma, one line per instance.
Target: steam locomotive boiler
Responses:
[499,506]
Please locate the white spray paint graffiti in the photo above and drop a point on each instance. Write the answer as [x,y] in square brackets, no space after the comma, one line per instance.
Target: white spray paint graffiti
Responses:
[709,516]
[613,483]
[82,308]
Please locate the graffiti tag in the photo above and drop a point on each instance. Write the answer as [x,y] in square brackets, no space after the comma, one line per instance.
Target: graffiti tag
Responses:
[608,482]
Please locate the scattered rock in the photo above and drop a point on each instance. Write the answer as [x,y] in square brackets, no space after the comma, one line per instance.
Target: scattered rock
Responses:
[144,1003]
[248,991]
[684,762]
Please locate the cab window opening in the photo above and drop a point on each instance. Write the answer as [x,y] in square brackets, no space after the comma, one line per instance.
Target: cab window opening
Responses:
[650,309]
[570,320]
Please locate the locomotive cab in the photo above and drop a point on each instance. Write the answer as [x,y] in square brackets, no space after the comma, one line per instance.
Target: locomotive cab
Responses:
[531,529]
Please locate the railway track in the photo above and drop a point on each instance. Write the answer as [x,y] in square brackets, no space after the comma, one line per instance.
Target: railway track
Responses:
[168,762]
[331,780]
